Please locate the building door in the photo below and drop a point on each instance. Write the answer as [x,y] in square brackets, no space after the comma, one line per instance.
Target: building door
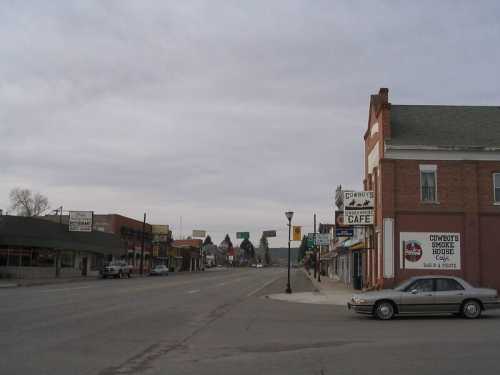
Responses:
[84,266]
[357,269]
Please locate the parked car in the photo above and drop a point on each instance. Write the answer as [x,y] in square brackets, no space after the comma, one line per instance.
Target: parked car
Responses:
[159,270]
[116,269]
[259,265]
[427,295]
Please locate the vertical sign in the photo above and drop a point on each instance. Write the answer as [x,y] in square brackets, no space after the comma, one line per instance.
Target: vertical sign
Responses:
[297,233]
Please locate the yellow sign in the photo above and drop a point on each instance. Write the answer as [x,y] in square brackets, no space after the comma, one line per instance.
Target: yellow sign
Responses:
[297,233]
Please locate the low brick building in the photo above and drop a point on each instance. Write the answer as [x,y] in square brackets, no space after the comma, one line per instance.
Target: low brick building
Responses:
[129,229]
[435,171]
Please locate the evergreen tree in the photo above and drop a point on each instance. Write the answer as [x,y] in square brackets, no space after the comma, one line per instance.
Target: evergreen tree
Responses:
[302,249]
[248,248]
[208,241]
[227,240]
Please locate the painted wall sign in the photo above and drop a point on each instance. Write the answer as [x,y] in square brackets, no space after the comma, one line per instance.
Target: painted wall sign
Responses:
[430,250]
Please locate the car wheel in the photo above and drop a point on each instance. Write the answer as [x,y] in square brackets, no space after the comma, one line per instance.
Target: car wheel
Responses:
[471,309]
[384,310]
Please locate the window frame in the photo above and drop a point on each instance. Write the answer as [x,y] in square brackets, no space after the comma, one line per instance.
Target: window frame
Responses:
[496,200]
[428,168]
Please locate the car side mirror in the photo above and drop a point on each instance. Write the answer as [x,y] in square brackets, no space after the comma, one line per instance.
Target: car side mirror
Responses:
[414,291]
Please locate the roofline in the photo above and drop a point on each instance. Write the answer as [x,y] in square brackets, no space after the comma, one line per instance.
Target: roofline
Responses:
[447,105]
[388,146]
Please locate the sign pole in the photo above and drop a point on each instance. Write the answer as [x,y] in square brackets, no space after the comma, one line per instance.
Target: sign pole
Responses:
[142,245]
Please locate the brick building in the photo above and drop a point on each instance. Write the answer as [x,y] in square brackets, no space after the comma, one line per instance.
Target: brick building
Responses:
[128,229]
[435,171]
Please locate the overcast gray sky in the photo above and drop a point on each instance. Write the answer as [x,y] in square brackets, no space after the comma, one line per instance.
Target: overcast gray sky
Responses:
[227,113]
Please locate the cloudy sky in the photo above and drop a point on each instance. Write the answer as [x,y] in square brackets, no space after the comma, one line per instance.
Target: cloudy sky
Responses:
[227,113]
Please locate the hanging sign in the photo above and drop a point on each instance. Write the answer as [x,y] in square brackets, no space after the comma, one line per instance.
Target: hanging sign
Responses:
[358,207]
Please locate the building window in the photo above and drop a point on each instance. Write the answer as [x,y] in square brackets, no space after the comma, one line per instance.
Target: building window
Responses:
[428,183]
[496,187]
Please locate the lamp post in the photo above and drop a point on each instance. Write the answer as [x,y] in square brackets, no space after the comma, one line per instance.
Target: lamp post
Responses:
[289,216]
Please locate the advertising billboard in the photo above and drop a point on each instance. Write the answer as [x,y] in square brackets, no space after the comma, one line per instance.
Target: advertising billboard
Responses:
[199,233]
[80,221]
[430,250]
[159,229]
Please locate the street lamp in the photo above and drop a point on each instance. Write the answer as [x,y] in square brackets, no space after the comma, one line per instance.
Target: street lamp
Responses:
[289,216]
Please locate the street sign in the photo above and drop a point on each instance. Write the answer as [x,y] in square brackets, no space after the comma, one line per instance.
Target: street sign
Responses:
[269,233]
[80,221]
[297,233]
[358,207]
[322,239]
[243,235]
[310,240]
[199,233]
[344,232]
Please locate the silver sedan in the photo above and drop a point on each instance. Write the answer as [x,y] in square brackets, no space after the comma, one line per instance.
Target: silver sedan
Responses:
[426,295]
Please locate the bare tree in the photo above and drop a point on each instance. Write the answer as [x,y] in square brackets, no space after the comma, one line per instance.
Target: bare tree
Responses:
[27,203]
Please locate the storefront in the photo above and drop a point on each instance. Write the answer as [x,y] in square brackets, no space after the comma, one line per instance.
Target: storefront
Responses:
[34,248]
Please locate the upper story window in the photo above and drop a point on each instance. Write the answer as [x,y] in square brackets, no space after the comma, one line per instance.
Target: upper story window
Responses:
[428,183]
[496,187]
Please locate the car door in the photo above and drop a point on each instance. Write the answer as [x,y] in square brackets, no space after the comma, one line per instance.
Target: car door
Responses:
[418,297]
[449,295]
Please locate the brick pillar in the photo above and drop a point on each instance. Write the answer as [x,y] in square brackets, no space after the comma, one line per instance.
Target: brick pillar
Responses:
[470,255]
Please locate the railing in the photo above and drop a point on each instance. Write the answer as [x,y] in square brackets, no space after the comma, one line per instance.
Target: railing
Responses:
[428,193]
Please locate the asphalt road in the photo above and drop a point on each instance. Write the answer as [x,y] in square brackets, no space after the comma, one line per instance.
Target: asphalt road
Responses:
[220,322]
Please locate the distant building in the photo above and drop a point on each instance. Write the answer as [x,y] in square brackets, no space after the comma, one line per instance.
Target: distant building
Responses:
[130,230]
[186,255]
[34,248]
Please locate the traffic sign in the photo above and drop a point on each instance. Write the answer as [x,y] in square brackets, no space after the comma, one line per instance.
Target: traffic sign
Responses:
[243,235]
[297,233]
[322,239]
[269,233]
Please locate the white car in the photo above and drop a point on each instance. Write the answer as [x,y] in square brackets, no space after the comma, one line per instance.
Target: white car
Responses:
[259,265]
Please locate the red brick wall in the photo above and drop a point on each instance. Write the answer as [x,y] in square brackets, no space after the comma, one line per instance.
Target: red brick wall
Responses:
[465,195]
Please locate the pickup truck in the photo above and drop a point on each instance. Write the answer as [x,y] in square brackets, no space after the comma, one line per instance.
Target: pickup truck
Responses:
[116,269]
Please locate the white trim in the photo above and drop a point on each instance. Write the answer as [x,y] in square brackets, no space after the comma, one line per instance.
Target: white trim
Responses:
[429,154]
[428,167]
[373,158]
[374,129]
[388,247]
[495,201]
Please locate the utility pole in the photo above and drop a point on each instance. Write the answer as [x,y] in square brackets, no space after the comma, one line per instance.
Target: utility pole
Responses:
[314,249]
[142,245]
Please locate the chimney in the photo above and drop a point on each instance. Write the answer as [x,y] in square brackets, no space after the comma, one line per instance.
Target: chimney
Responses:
[383,94]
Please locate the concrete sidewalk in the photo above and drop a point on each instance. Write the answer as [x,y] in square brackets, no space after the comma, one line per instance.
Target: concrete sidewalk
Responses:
[12,283]
[328,292]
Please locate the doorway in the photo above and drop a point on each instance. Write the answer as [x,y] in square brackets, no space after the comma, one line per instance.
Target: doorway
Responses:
[84,266]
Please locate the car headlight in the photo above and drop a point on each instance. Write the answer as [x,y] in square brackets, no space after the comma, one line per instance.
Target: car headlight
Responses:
[358,300]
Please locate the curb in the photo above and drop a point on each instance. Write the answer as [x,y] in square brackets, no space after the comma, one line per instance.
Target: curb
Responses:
[9,286]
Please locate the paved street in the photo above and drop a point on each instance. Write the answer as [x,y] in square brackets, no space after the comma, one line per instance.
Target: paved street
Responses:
[220,322]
